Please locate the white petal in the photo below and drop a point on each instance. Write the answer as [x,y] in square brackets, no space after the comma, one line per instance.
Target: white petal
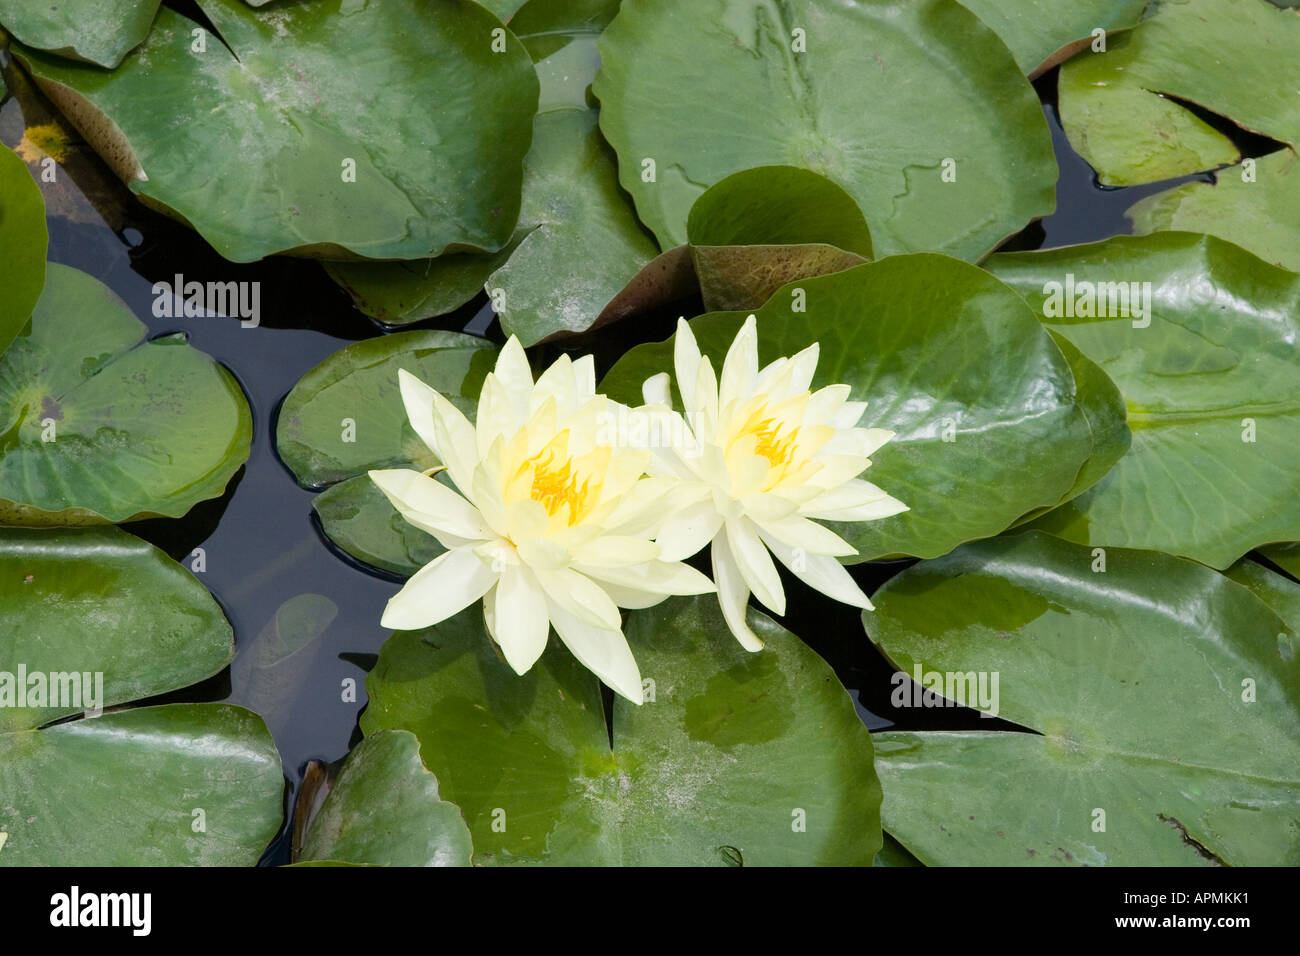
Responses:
[740,368]
[445,586]
[685,532]
[418,400]
[657,390]
[755,564]
[457,444]
[584,377]
[804,367]
[855,500]
[602,651]
[849,415]
[686,364]
[825,403]
[496,415]
[519,621]
[580,596]
[432,506]
[733,595]
[661,577]
[616,551]
[821,572]
[631,598]
[886,507]
[796,531]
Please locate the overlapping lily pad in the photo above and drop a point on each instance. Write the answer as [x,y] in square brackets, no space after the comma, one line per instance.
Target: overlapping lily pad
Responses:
[105,618]
[23,241]
[694,90]
[734,758]
[1261,213]
[1285,556]
[578,240]
[989,424]
[384,810]
[346,417]
[1162,700]
[1211,387]
[1120,109]
[96,31]
[1043,33]
[407,145]
[99,424]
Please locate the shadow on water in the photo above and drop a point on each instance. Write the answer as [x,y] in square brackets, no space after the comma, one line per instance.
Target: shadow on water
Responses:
[258,547]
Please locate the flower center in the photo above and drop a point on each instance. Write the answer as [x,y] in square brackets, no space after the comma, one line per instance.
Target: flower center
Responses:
[777,449]
[556,485]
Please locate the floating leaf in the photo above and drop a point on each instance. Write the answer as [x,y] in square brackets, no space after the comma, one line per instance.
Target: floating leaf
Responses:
[384,810]
[346,417]
[1163,700]
[1209,376]
[269,672]
[694,90]
[99,424]
[23,242]
[981,399]
[298,126]
[1285,556]
[105,618]
[1119,108]
[1261,214]
[735,757]
[96,31]
[176,785]
[1043,33]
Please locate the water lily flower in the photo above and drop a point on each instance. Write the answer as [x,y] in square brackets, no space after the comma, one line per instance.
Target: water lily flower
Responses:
[551,526]
[763,458]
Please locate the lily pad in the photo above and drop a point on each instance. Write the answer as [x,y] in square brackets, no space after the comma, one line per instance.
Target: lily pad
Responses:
[735,757]
[346,417]
[983,402]
[95,31]
[1043,33]
[104,618]
[384,810]
[578,240]
[694,90]
[1209,376]
[99,424]
[1119,108]
[176,785]
[1161,699]
[23,241]
[1261,214]
[271,669]
[298,125]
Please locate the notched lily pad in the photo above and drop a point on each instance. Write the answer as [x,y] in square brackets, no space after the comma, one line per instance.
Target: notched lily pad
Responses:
[1043,33]
[99,424]
[1205,354]
[297,123]
[1161,700]
[345,417]
[734,757]
[95,31]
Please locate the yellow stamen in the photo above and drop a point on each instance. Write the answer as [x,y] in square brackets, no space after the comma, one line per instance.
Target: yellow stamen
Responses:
[555,485]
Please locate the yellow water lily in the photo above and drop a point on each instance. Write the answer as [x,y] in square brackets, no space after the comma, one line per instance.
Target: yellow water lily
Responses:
[552,525]
[764,457]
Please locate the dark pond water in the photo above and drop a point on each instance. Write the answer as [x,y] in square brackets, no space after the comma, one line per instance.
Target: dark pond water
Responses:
[262,545]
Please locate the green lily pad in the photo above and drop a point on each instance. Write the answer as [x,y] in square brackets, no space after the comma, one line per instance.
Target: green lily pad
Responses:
[1261,215]
[94,31]
[1116,107]
[983,402]
[271,669]
[578,240]
[105,618]
[694,90]
[1211,386]
[101,601]
[1043,33]
[99,424]
[23,241]
[384,810]
[1162,699]
[735,757]
[288,96]
[1275,590]
[176,785]
[346,417]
